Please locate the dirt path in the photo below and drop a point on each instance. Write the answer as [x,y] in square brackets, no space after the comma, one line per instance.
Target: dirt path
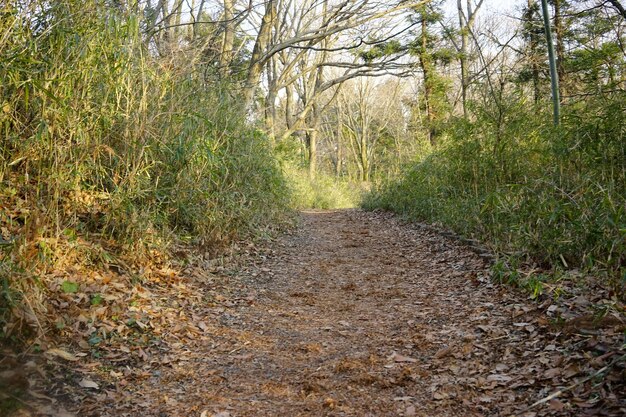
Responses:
[359,315]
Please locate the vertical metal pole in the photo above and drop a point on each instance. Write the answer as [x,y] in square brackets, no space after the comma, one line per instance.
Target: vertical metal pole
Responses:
[554,77]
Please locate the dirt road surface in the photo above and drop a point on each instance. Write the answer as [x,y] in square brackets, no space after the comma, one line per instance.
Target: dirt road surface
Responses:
[357,314]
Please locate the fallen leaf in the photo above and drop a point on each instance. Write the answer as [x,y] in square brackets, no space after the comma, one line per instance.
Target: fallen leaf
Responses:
[571,371]
[501,367]
[62,354]
[330,403]
[88,383]
[556,405]
[499,378]
[438,395]
[396,357]
[552,373]
[443,352]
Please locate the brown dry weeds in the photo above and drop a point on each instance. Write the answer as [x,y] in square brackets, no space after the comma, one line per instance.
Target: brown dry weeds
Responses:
[355,314]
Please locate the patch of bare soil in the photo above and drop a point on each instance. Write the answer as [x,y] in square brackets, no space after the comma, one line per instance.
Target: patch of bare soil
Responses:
[355,314]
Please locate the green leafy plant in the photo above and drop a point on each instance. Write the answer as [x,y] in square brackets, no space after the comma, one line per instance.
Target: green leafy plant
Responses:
[69,287]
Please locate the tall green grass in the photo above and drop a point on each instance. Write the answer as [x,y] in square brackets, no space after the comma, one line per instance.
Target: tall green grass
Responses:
[554,196]
[103,140]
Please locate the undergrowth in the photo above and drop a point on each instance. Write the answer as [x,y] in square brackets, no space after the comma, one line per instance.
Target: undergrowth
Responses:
[109,151]
[553,197]
[321,192]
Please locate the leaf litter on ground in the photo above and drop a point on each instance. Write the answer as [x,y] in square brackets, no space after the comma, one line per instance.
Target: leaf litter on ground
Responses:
[344,317]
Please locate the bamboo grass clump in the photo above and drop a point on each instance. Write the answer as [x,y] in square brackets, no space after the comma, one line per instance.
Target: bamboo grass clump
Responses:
[109,149]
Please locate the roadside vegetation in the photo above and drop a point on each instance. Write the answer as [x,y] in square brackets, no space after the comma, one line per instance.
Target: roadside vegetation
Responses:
[109,151]
[553,197]
[549,200]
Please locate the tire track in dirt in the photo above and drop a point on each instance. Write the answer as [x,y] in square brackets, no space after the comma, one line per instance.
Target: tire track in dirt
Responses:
[357,314]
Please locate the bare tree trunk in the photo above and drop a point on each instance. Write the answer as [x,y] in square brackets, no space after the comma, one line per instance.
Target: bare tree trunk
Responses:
[312,144]
[289,107]
[365,127]
[314,127]
[365,161]
[164,6]
[463,57]
[178,14]
[619,7]
[554,78]
[426,71]
[256,64]
[190,28]
[534,44]
[228,37]
[198,18]
[338,165]
[270,99]
[560,49]
[466,23]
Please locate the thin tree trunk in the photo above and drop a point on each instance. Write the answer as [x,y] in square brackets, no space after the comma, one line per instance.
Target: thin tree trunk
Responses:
[426,71]
[365,162]
[228,37]
[190,28]
[270,99]
[178,15]
[163,5]
[554,77]
[256,64]
[466,23]
[338,165]
[289,106]
[619,7]
[560,49]
[198,18]
[463,57]
[534,45]
[315,111]
[313,152]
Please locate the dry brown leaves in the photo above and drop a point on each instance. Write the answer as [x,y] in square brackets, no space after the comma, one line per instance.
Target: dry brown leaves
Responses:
[356,314]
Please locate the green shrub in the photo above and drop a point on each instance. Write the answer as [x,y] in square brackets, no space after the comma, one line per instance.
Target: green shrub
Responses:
[103,143]
[558,196]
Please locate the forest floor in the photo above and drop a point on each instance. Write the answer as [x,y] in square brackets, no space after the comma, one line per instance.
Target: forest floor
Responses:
[353,314]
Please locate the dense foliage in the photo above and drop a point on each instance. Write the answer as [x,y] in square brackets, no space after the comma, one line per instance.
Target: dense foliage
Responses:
[108,149]
[554,195]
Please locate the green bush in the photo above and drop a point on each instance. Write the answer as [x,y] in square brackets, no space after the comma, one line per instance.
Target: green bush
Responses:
[101,136]
[104,144]
[557,196]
